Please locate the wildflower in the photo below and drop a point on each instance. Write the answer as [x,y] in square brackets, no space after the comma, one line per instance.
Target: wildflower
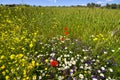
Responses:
[46,68]
[94,79]
[24,72]
[31,45]
[40,77]
[73,62]
[37,64]
[95,39]
[3,67]
[46,60]
[12,70]
[3,72]
[70,52]
[66,67]
[85,58]
[60,77]
[101,35]
[102,75]
[23,49]
[59,58]
[62,39]
[2,57]
[52,55]
[19,55]
[33,63]
[12,56]
[105,52]
[99,71]
[113,50]
[71,70]
[81,76]
[27,78]
[7,77]
[54,63]
[70,64]
[103,68]
[111,70]
[66,33]
[65,28]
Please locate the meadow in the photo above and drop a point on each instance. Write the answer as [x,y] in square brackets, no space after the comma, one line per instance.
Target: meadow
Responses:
[59,43]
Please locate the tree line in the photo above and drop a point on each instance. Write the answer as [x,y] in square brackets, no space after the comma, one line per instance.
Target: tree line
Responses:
[110,6]
[90,5]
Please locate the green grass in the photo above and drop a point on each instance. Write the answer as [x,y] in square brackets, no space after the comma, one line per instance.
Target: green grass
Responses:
[22,26]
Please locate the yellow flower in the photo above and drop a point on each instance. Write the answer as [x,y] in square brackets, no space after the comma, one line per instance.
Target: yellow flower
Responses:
[7,77]
[46,68]
[23,60]
[23,49]
[3,67]
[31,45]
[3,72]
[35,33]
[2,57]
[24,73]
[100,35]
[33,63]
[19,55]
[27,78]
[95,39]
[12,56]
[46,60]
[37,64]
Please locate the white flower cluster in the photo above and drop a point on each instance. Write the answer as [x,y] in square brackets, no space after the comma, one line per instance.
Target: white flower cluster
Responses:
[74,62]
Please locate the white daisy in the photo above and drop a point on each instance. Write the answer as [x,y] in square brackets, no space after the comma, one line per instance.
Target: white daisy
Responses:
[81,76]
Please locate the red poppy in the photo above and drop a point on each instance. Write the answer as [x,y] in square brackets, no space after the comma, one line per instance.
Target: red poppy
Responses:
[62,39]
[54,63]
[65,28]
[66,33]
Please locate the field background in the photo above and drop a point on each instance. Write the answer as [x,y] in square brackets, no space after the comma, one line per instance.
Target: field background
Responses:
[21,26]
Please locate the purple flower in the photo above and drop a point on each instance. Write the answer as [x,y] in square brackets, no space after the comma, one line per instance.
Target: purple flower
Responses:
[68,78]
[101,77]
